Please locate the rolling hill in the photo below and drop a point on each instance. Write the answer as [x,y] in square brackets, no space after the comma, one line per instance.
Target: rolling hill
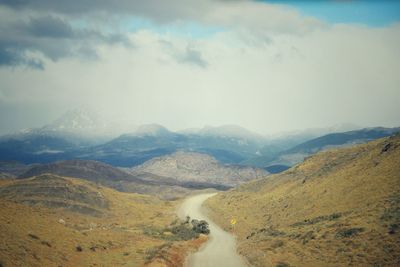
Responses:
[110,176]
[58,192]
[85,169]
[190,167]
[338,208]
[168,177]
[50,220]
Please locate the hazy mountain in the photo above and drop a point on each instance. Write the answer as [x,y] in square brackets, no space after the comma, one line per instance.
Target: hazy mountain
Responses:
[79,126]
[342,139]
[297,153]
[13,168]
[337,208]
[77,121]
[228,145]
[61,139]
[81,134]
[316,132]
[195,167]
[55,141]
[33,148]
[151,130]
[233,131]
[283,141]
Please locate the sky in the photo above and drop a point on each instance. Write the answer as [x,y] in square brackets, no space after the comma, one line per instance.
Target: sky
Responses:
[269,66]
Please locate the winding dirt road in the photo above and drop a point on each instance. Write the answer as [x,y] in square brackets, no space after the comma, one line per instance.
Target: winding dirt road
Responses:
[220,250]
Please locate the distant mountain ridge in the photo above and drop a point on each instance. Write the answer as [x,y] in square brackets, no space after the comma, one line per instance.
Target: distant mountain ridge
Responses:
[297,153]
[153,140]
[345,138]
[80,134]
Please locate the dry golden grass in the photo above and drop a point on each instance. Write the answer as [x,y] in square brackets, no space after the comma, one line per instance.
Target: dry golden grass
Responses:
[337,208]
[40,236]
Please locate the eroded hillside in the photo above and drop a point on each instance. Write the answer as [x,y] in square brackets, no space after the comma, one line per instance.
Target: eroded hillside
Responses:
[110,176]
[337,208]
[200,168]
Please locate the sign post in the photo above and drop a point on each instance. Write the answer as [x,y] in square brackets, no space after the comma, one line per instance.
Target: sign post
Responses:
[233,222]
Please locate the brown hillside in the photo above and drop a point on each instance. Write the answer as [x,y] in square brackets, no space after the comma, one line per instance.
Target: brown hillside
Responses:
[57,192]
[337,208]
[56,221]
[198,168]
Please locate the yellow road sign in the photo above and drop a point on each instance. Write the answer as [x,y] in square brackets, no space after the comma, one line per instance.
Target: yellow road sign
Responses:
[233,221]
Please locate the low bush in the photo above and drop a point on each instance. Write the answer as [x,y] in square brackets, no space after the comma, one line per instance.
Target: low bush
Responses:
[179,231]
[349,232]
[200,227]
[318,219]
[282,264]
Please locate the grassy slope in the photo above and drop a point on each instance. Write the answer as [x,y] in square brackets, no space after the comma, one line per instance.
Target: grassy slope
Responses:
[335,209]
[33,236]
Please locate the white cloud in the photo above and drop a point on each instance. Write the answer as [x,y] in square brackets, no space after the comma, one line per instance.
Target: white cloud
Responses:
[269,70]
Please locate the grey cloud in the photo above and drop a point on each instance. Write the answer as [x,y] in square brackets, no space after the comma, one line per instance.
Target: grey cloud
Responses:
[50,26]
[192,56]
[251,14]
[51,37]
[157,10]
[189,55]
[10,57]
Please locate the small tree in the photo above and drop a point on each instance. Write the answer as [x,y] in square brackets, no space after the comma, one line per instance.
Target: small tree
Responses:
[201,227]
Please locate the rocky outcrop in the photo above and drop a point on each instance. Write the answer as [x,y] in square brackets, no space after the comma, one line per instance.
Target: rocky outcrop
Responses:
[201,168]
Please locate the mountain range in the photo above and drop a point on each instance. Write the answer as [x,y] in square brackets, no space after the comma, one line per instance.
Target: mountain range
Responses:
[82,135]
[281,160]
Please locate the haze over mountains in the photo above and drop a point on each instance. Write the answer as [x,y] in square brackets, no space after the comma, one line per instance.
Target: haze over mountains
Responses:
[82,135]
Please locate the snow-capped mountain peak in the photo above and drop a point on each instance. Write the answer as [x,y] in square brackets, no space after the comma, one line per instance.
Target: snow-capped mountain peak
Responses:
[77,121]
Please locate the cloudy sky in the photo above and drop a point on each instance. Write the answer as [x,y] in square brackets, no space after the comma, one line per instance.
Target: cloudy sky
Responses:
[269,66]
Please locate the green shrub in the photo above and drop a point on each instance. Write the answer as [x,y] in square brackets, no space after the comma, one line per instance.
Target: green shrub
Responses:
[200,227]
[184,232]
